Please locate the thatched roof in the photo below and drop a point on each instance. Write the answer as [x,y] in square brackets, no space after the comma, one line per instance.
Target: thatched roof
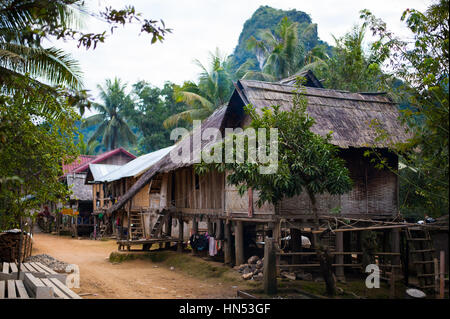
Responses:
[308,75]
[347,114]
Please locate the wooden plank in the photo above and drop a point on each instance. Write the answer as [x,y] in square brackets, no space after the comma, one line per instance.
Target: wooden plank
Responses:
[65,289]
[21,289]
[2,289]
[11,289]
[13,267]
[38,268]
[47,269]
[5,268]
[26,268]
[31,268]
[56,290]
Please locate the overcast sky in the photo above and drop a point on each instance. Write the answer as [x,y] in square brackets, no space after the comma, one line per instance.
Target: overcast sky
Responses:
[199,26]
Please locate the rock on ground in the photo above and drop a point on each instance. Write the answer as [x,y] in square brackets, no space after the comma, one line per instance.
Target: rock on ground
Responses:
[49,261]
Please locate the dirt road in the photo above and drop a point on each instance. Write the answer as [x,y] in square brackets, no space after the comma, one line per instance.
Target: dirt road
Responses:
[131,279]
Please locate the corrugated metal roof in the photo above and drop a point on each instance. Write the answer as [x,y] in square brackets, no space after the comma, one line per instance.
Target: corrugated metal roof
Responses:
[100,170]
[137,166]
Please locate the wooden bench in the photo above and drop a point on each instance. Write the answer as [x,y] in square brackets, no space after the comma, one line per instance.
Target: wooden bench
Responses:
[39,270]
[13,289]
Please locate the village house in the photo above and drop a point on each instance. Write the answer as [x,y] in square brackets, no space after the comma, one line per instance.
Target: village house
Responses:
[108,185]
[191,198]
[74,176]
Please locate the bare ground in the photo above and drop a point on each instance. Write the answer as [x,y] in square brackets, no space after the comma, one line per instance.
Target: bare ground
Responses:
[131,279]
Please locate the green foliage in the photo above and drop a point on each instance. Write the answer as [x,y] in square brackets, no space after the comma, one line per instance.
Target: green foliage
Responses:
[34,141]
[423,67]
[214,89]
[113,129]
[307,162]
[151,107]
[351,67]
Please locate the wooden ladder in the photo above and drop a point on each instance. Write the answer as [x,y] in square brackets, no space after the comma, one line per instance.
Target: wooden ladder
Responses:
[136,229]
[157,227]
[421,255]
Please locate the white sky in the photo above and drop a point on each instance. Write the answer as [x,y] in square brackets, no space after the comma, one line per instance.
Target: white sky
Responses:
[199,26]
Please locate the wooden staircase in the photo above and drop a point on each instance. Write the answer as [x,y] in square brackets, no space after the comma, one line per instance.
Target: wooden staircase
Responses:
[136,226]
[157,227]
[421,255]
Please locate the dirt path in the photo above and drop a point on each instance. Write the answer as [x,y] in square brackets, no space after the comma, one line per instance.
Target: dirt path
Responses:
[131,279]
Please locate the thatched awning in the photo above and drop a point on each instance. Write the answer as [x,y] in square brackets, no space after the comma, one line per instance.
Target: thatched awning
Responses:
[350,116]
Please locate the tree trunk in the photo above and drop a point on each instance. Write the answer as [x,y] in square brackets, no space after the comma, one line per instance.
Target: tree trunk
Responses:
[326,267]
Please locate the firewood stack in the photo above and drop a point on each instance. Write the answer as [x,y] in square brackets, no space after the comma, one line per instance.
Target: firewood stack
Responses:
[9,246]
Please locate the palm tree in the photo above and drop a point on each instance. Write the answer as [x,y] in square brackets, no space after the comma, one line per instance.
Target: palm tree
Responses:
[23,61]
[214,88]
[113,127]
[279,54]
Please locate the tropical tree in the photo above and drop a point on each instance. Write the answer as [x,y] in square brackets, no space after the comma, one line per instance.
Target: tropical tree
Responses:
[113,128]
[352,67]
[214,88]
[33,144]
[281,53]
[423,66]
[151,107]
[21,53]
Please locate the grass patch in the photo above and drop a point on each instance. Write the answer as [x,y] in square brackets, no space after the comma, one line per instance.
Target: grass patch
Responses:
[187,264]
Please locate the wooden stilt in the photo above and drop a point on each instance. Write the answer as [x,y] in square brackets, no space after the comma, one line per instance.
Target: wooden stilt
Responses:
[270,272]
[239,242]
[340,275]
[168,230]
[296,240]
[395,244]
[180,234]
[227,243]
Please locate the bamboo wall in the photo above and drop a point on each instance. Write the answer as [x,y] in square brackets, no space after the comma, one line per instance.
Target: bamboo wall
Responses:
[189,192]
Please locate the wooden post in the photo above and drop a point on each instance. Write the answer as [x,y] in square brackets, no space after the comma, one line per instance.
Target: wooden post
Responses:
[395,244]
[276,239]
[180,234]
[296,240]
[168,230]
[270,272]
[227,243]
[210,228]
[239,242]
[436,277]
[392,283]
[219,230]
[194,225]
[442,274]
[340,275]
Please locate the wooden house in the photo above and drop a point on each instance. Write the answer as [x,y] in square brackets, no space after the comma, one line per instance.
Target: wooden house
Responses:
[349,116]
[143,210]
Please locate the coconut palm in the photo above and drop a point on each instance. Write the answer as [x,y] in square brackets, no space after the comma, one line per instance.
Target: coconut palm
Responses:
[113,127]
[213,89]
[279,53]
[21,55]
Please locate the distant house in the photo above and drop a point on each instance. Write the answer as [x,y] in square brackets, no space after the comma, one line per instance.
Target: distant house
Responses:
[108,185]
[74,176]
